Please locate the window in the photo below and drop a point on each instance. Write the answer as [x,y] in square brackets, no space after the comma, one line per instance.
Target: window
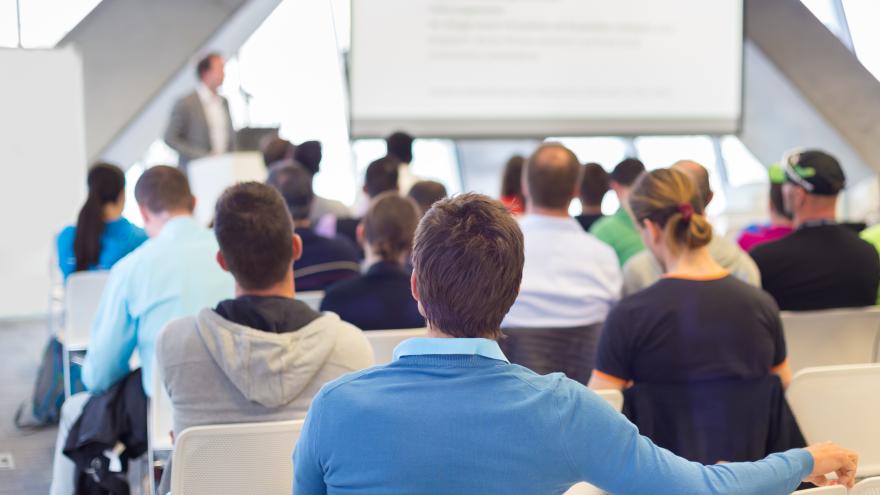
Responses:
[741,165]
[662,151]
[862,16]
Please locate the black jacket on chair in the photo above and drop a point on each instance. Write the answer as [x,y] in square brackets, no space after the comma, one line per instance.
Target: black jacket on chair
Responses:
[117,415]
[708,422]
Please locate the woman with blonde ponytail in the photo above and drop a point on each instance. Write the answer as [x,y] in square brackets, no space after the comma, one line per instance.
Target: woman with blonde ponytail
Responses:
[698,323]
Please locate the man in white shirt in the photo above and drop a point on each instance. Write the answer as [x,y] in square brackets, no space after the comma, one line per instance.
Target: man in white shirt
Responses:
[570,278]
[200,124]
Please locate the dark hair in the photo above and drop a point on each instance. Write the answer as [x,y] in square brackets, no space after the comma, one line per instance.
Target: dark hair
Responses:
[255,234]
[381,176]
[594,184]
[661,196]
[552,173]
[277,150]
[390,225]
[399,146]
[106,182]
[777,202]
[511,181]
[204,64]
[468,261]
[309,154]
[426,193]
[627,171]
[163,188]
[295,185]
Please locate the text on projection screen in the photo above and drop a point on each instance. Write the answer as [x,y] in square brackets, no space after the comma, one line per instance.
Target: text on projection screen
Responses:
[465,68]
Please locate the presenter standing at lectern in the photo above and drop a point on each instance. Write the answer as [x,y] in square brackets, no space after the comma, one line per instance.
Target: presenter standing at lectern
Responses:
[200,123]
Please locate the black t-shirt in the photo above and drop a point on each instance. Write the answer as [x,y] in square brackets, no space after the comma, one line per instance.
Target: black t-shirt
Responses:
[819,267]
[679,330]
[378,300]
[587,221]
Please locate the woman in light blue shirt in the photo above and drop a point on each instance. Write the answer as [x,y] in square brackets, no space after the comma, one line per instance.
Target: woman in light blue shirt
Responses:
[101,236]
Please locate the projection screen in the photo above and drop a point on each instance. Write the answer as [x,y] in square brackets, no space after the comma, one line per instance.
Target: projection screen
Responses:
[496,68]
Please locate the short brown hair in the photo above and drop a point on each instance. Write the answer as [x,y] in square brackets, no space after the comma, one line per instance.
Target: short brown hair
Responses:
[660,196]
[552,173]
[468,261]
[426,193]
[594,184]
[204,64]
[255,234]
[277,150]
[294,183]
[390,225]
[163,188]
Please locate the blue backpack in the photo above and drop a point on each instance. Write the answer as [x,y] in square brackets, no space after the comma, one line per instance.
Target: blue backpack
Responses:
[48,395]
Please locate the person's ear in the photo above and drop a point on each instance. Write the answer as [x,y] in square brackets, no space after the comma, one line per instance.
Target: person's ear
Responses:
[709,198]
[297,247]
[359,234]
[221,260]
[145,213]
[121,199]
[655,233]
[413,287]
[192,203]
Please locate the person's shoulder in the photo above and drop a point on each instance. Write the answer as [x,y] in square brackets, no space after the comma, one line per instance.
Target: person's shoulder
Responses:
[66,236]
[173,341]
[603,225]
[351,344]
[774,248]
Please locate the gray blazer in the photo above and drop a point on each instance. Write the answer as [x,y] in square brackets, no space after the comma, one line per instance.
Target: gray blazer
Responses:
[187,131]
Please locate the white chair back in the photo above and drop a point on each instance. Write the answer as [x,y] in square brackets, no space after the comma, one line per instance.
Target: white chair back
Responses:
[840,404]
[870,486]
[160,415]
[823,490]
[384,341]
[832,337]
[313,298]
[615,398]
[235,459]
[81,298]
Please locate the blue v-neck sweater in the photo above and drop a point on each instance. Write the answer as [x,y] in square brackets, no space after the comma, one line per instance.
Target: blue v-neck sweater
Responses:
[451,416]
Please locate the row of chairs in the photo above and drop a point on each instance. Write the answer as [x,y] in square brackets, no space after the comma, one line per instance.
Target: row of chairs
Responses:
[255,458]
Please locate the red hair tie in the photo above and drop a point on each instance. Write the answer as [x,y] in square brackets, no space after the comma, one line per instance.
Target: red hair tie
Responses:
[686,210]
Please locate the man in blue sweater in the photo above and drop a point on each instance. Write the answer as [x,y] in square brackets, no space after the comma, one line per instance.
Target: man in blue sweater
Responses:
[450,415]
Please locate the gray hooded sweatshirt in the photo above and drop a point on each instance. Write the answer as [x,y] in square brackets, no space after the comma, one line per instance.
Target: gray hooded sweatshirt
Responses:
[217,371]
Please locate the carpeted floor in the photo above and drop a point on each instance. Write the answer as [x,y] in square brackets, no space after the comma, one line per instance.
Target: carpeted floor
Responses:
[21,344]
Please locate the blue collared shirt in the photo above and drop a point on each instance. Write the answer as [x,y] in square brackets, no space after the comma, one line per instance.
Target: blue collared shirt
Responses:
[453,416]
[170,276]
[422,346]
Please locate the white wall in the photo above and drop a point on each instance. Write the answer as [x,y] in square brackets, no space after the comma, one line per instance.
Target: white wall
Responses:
[43,160]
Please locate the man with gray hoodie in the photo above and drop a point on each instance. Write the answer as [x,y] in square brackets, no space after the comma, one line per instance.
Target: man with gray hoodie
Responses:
[264,355]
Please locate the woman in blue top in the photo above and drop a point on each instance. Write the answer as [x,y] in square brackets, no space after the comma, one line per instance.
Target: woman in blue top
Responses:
[101,236]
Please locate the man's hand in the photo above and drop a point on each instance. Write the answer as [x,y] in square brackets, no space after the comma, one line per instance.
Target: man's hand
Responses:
[828,458]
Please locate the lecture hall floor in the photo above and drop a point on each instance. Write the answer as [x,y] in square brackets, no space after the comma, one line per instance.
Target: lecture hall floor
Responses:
[21,344]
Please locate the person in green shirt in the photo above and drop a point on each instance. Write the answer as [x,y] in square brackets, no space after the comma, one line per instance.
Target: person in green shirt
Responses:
[872,235]
[618,230]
